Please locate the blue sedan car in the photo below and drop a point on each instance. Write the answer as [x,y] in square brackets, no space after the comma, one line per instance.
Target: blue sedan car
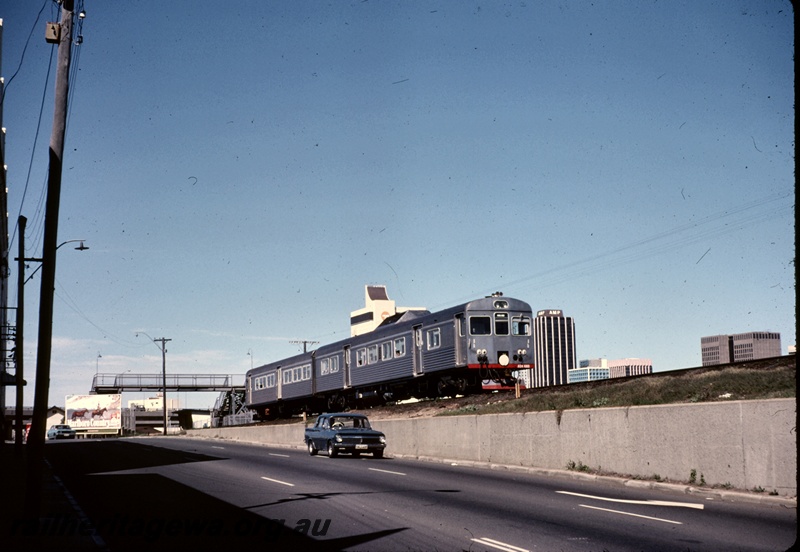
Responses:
[341,432]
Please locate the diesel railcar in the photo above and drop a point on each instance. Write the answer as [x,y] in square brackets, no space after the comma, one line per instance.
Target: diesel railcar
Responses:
[418,354]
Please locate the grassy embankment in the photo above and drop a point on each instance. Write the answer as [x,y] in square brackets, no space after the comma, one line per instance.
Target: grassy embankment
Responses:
[764,379]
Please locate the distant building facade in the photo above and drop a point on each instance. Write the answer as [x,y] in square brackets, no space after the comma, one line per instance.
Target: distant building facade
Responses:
[625,367]
[724,349]
[554,348]
[600,368]
[378,308]
[589,370]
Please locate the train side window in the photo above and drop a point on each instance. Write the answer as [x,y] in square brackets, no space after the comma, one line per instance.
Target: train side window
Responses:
[386,350]
[434,338]
[480,325]
[334,364]
[372,354]
[271,379]
[361,357]
[324,366]
[501,323]
[399,347]
[520,325]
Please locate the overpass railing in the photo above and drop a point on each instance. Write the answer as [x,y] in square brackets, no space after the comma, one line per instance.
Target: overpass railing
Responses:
[117,383]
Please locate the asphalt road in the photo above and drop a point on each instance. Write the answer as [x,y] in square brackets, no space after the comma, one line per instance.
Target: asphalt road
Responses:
[180,494]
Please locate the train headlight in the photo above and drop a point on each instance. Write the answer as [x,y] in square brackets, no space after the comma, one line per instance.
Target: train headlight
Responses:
[503,359]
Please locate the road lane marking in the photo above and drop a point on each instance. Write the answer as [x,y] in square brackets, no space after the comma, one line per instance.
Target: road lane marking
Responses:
[644,502]
[276,454]
[499,545]
[630,514]
[386,471]
[215,446]
[278,481]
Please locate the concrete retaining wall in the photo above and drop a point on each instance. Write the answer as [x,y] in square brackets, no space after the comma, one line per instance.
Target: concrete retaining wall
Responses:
[746,444]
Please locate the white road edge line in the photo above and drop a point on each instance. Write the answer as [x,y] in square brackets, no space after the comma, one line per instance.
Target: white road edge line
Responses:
[386,471]
[276,454]
[278,481]
[499,545]
[644,502]
[216,447]
[630,514]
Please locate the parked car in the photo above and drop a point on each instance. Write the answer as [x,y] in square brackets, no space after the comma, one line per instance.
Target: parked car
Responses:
[341,432]
[60,431]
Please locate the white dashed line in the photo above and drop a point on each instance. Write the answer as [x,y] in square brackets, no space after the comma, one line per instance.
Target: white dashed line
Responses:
[630,514]
[278,481]
[499,545]
[643,502]
[387,471]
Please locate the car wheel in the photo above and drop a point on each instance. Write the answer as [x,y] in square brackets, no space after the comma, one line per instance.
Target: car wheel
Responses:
[331,450]
[312,450]
[377,454]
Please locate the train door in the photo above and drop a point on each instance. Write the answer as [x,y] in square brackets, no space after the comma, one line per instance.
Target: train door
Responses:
[346,366]
[417,339]
[314,373]
[279,383]
[460,336]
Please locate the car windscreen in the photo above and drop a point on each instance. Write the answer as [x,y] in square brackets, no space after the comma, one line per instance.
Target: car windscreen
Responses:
[344,422]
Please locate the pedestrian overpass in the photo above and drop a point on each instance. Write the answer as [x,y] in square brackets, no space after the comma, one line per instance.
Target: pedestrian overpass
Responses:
[105,384]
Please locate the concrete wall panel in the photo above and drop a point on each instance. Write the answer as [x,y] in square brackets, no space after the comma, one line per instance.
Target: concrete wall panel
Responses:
[744,444]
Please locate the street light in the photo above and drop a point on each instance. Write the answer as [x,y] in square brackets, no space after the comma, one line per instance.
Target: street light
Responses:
[81,247]
[21,281]
[163,348]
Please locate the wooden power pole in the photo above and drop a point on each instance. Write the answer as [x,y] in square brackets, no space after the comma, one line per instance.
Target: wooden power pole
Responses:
[62,34]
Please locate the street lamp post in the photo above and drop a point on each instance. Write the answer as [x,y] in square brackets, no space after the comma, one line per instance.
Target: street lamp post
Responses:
[22,222]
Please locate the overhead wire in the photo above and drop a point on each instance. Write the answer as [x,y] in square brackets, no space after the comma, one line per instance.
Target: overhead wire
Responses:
[36,224]
[63,294]
[655,244]
[24,49]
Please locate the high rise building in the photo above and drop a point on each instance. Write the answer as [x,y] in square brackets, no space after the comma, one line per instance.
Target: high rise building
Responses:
[554,348]
[724,349]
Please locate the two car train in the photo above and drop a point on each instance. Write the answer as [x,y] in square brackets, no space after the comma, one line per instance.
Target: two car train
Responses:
[417,354]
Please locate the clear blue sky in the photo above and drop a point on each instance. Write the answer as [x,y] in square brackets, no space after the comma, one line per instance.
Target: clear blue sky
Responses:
[240,172]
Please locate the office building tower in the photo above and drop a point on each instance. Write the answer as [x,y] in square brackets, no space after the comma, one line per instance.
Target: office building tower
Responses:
[554,348]
[724,349]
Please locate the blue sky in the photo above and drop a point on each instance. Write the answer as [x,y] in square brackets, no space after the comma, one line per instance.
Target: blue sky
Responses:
[240,173]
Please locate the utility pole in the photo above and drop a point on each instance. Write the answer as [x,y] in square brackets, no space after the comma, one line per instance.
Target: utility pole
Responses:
[163,341]
[36,436]
[304,342]
[22,222]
